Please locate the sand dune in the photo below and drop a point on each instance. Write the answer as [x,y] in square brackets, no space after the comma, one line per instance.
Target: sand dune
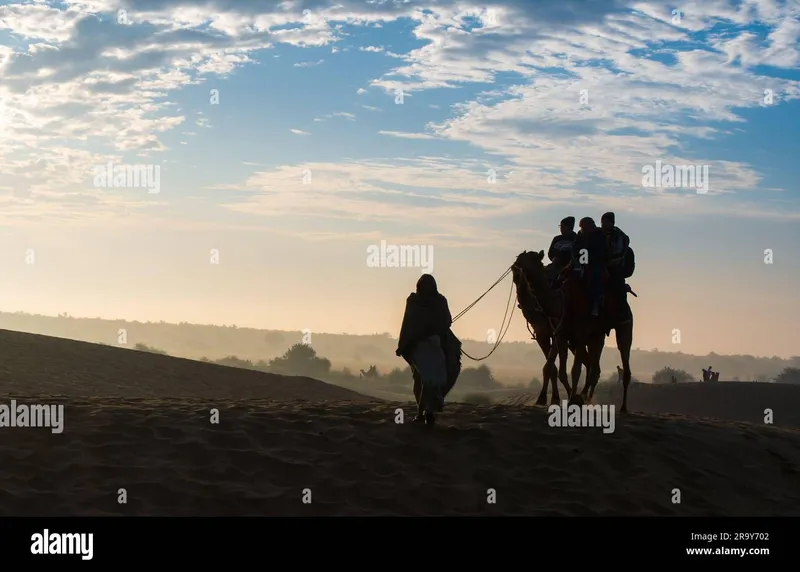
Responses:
[33,364]
[730,401]
[161,447]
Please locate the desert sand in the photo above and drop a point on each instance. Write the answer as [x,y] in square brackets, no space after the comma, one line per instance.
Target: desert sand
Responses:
[142,422]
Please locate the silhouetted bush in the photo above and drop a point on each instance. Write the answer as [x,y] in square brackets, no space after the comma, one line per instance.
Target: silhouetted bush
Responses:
[233,361]
[477,377]
[300,359]
[789,375]
[148,349]
[399,376]
[664,375]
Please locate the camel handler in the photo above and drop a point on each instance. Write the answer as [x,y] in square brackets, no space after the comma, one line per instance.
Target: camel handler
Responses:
[429,346]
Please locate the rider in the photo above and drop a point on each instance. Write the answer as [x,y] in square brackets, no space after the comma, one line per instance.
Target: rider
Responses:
[617,243]
[589,251]
[560,251]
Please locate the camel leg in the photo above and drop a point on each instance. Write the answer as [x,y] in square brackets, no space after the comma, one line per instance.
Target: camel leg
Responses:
[580,358]
[576,374]
[545,345]
[563,353]
[600,344]
[624,342]
[555,397]
[554,372]
[595,351]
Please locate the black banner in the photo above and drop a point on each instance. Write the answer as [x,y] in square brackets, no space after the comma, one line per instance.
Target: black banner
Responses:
[210,541]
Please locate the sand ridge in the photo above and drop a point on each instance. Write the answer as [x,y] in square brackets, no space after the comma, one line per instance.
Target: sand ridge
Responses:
[298,434]
[737,401]
[33,364]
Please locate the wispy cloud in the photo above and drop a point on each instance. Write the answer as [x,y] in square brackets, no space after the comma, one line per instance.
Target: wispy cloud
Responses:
[404,135]
[308,64]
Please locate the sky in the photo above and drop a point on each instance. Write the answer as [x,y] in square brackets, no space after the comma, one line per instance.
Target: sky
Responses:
[288,139]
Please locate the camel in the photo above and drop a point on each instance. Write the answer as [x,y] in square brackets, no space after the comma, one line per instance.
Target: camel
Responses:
[542,333]
[587,336]
[533,281]
[371,373]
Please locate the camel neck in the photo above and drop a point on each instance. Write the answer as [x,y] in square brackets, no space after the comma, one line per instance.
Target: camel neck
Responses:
[544,294]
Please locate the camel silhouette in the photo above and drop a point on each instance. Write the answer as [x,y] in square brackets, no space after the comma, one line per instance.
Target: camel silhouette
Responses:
[575,327]
[371,373]
[542,333]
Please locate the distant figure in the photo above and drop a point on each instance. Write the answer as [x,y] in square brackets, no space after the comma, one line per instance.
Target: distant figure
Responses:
[674,379]
[715,377]
[707,374]
[620,373]
[422,343]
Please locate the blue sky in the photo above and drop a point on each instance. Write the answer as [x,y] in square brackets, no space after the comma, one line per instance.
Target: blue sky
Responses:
[311,87]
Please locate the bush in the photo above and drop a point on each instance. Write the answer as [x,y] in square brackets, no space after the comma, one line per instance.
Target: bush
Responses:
[399,376]
[233,361]
[148,349]
[477,378]
[789,375]
[664,375]
[300,359]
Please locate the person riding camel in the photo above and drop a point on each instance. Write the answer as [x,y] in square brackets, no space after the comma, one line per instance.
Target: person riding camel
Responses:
[560,252]
[589,250]
[617,246]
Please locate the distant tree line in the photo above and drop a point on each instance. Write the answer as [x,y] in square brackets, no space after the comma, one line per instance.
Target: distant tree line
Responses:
[302,360]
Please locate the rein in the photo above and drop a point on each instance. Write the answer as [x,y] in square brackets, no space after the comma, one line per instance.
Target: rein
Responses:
[502,325]
[538,306]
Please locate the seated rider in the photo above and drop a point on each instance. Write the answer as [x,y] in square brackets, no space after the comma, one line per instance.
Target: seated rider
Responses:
[589,251]
[617,244]
[560,252]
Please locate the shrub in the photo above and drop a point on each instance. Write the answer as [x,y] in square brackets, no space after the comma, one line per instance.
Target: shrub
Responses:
[148,349]
[789,375]
[664,375]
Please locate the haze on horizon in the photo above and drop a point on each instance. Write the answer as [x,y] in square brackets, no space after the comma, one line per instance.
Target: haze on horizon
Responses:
[292,136]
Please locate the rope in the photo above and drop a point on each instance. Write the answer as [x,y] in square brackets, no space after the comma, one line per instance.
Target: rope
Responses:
[553,327]
[468,308]
[503,324]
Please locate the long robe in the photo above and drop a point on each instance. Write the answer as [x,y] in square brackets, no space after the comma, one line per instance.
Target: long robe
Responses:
[430,347]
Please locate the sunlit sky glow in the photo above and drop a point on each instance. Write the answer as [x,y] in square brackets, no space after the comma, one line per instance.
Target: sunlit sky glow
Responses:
[311,88]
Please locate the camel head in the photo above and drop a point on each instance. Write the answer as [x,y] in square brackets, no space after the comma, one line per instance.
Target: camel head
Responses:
[529,262]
